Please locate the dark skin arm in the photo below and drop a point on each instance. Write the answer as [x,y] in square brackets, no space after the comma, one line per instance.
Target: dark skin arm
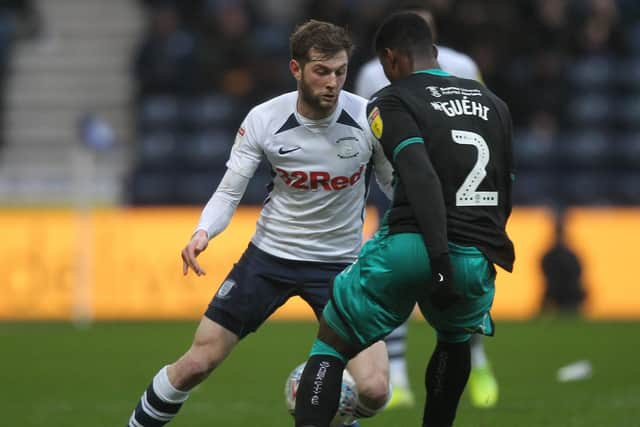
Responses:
[423,189]
[404,145]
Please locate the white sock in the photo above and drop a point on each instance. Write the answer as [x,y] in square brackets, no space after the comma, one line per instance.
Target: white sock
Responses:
[478,356]
[159,403]
[396,343]
[398,373]
[363,411]
[162,386]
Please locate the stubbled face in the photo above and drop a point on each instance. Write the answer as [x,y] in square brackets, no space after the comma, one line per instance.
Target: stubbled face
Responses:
[320,81]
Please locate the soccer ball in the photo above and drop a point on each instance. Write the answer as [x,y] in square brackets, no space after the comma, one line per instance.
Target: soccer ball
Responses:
[348,396]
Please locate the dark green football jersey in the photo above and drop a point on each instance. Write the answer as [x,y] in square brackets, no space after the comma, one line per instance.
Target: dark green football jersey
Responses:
[466,132]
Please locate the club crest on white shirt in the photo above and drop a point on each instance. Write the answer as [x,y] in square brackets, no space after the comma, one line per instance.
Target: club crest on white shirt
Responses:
[348,147]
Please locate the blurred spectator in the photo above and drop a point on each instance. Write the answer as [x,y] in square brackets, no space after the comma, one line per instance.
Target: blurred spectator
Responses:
[562,269]
[599,31]
[166,59]
[95,132]
[234,42]
[537,72]
[19,19]
[568,69]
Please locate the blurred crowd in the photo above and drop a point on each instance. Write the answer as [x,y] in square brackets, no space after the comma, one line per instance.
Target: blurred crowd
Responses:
[569,70]
[19,19]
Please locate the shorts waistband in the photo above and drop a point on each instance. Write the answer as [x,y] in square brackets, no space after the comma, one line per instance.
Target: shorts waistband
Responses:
[253,249]
[455,248]
[464,250]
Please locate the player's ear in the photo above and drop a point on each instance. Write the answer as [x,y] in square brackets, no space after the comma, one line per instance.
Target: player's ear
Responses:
[389,62]
[296,69]
[387,54]
[435,51]
[395,60]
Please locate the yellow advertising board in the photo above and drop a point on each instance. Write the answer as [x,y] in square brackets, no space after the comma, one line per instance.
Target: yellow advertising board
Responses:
[125,263]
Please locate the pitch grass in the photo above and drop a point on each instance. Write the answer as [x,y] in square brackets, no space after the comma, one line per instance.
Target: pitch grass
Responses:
[59,375]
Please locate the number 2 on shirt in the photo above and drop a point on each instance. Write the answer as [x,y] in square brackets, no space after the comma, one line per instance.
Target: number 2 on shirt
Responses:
[467,194]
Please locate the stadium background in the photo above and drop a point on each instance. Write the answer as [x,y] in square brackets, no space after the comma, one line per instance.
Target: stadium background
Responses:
[117,117]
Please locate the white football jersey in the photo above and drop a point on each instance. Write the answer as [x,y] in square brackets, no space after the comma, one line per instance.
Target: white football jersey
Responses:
[315,207]
[371,76]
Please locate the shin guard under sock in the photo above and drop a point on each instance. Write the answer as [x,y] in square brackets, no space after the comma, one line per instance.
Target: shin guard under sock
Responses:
[446,376]
[319,391]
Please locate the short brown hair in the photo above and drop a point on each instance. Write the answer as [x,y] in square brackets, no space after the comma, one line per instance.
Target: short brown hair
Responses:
[325,37]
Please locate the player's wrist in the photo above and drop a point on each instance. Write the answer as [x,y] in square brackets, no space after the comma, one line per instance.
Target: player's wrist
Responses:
[443,293]
[200,232]
[441,268]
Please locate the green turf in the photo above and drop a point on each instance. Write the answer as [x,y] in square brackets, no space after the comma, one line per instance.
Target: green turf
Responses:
[58,375]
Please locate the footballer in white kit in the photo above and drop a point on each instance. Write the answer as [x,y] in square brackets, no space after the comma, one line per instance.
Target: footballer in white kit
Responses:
[315,206]
[321,152]
[310,226]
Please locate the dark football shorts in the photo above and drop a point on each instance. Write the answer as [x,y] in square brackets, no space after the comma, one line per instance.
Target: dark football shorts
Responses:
[260,283]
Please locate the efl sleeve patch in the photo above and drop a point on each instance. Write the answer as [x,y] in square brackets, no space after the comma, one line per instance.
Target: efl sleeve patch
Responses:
[240,134]
[375,122]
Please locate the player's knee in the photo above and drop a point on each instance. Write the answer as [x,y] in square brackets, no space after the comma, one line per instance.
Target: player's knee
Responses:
[209,349]
[373,391]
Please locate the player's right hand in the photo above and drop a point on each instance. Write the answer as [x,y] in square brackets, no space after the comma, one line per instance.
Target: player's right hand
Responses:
[196,245]
[443,294]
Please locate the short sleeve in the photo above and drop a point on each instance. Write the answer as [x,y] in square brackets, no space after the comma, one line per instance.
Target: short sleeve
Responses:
[392,124]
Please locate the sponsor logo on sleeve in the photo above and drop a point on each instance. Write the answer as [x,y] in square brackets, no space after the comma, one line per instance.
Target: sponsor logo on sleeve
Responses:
[375,122]
[239,136]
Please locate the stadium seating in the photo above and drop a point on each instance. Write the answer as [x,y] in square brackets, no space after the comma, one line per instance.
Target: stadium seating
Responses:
[584,188]
[576,106]
[206,150]
[533,151]
[584,150]
[157,150]
[624,187]
[624,152]
[592,72]
[152,188]
[534,188]
[591,109]
[627,74]
[208,111]
[628,111]
[159,112]
[195,188]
